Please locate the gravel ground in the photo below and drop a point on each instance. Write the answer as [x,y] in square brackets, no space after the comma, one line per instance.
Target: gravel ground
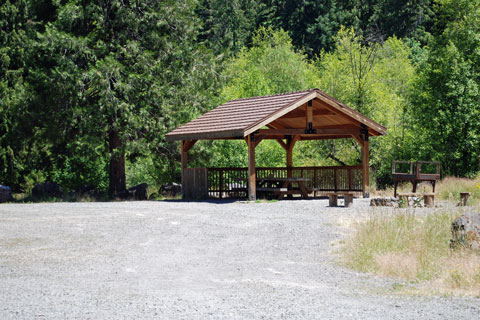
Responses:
[187,260]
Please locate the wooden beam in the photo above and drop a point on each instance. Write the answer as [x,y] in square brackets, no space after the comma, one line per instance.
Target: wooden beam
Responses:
[300,114]
[324,137]
[204,135]
[358,138]
[252,194]
[188,144]
[319,131]
[258,139]
[309,137]
[366,169]
[283,144]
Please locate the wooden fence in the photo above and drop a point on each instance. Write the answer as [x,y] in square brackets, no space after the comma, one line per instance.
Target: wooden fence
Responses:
[194,184]
[232,182]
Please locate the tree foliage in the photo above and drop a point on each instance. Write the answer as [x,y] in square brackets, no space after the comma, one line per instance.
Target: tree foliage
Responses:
[447,98]
[88,89]
[270,66]
[314,24]
[376,80]
[108,79]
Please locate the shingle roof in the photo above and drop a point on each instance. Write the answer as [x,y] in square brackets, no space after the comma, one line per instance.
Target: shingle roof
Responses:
[238,118]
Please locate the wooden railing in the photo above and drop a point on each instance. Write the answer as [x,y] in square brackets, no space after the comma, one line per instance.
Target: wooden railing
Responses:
[418,170]
[232,182]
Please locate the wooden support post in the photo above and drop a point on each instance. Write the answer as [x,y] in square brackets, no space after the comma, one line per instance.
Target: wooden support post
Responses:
[366,169]
[289,156]
[184,157]
[290,144]
[252,194]
[185,146]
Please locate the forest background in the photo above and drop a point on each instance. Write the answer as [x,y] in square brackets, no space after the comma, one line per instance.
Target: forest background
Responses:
[88,89]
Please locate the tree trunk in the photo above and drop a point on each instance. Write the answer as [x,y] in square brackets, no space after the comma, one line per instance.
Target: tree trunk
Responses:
[117,164]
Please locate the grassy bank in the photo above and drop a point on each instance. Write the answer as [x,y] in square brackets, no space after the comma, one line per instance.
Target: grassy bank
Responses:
[414,248]
[450,187]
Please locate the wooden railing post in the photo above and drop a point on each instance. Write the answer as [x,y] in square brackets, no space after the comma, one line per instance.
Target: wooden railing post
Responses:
[350,172]
[220,186]
[335,179]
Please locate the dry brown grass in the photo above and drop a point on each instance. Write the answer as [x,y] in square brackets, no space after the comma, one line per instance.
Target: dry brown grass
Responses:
[415,249]
[450,188]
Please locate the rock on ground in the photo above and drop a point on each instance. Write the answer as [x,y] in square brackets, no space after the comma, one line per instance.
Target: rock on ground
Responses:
[5,194]
[48,190]
[466,231]
[139,192]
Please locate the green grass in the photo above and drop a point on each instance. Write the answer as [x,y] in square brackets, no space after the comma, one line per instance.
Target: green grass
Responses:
[266,200]
[415,249]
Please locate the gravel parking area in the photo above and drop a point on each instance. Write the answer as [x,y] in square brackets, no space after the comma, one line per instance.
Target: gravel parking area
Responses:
[194,260]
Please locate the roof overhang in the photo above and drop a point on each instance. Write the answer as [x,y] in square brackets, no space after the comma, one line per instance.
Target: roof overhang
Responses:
[205,128]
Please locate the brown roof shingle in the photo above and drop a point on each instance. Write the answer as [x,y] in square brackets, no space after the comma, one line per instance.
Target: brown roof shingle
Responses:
[237,118]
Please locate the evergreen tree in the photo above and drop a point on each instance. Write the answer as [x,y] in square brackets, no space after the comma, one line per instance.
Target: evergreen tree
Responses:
[118,74]
[228,25]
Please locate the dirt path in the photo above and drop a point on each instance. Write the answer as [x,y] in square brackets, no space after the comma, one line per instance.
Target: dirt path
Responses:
[178,260]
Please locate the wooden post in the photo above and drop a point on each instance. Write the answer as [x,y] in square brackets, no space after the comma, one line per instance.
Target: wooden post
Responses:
[289,156]
[366,169]
[350,179]
[185,146]
[290,144]
[184,157]
[220,183]
[252,193]
[464,197]
[309,118]
[335,179]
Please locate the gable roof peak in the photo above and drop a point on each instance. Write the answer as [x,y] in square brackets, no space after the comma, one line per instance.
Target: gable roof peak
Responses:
[275,95]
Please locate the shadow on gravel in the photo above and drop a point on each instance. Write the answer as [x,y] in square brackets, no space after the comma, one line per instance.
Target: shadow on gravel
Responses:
[212,201]
[232,200]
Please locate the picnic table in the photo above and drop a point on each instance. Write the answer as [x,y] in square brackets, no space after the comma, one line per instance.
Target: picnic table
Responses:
[283,186]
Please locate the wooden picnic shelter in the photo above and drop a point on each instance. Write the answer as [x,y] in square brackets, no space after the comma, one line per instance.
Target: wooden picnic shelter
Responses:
[287,118]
